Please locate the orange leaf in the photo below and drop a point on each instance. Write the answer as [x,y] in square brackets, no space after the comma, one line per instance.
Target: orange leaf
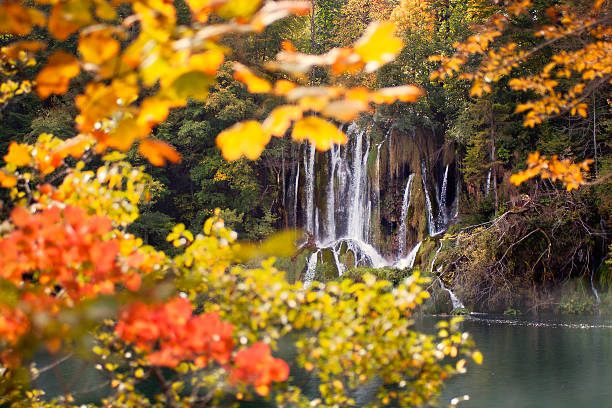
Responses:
[280,119]
[17,19]
[7,180]
[283,87]
[56,75]
[98,46]
[12,51]
[243,139]
[18,155]
[319,132]
[124,135]
[158,152]
[67,17]
[252,81]
[153,111]
[358,94]
[74,147]
[405,93]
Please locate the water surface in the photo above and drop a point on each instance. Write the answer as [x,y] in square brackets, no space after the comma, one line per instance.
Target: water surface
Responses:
[541,362]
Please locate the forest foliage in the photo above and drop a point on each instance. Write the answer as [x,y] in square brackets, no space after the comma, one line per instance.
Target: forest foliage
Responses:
[95,96]
[196,320]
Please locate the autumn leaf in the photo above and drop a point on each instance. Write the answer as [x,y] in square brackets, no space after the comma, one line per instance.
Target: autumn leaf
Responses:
[207,62]
[13,50]
[283,87]
[98,46]
[17,19]
[405,93]
[153,110]
[319,132]
[18,155]
[74,147]
[280,119]
[7,180]
[124,135]
[241,9]
[193,84]
[345,110]
[252,81]
[56,75]
[158,152]
[378,45]
[243,139]
[67,17]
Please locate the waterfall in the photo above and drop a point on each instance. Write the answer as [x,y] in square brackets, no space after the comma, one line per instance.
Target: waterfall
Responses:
[310,269]
[430,219]
[455,207]
[593,286]
[408,261]
[310,184]
[339,266]
[355,188]
[454,299]
[442,205]
[488,188]
[331,193]
[295,197]
[356,216]
[404,214]
[433,261]
[344,212]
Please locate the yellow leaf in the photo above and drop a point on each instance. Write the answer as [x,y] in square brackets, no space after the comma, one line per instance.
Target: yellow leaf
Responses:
[319,132]
[158,152]
[207,62]
[378,45]
[243,139]
[237,8]
[98,46]
[477,356]
[56,75]
[105,11]
[252,81]
[18,155]
[280,119]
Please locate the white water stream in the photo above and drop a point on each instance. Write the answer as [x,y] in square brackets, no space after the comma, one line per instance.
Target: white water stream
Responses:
[404,214]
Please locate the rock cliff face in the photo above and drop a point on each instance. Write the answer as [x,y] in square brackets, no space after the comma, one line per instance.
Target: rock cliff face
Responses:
[374,198]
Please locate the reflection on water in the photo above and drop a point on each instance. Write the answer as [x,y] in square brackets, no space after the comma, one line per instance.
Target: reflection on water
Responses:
[550,361]
[543,362]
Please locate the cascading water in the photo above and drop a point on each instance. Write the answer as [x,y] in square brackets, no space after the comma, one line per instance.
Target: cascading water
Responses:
[310,269]
[457,304]
[430,219]
[442,202]
[310,184]
[408,261]
[404,214]
[433,261]
[331,193]
[295,197]
[356,216]
[348,212]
